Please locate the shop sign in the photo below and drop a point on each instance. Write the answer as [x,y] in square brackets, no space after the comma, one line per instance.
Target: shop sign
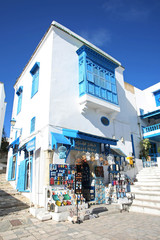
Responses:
[86,146]
[31,145]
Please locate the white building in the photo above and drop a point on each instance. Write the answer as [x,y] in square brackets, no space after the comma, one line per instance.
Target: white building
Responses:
[2,109]
[71,93]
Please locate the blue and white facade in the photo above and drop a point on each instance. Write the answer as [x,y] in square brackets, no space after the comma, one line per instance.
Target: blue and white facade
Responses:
[70,93]
[148,104]
[2,109]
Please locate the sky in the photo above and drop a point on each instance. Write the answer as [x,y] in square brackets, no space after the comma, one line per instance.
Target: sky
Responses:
[127,30]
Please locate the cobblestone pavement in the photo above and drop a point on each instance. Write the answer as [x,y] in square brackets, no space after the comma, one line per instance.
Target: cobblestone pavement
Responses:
[17,223]
[119,226]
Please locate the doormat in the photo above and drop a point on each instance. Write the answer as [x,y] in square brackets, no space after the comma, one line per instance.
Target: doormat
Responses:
[15,222]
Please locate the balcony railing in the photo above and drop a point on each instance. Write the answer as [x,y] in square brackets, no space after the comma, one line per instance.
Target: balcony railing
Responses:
[151,128]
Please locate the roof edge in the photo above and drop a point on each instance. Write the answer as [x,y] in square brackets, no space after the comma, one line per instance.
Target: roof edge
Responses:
[68,31]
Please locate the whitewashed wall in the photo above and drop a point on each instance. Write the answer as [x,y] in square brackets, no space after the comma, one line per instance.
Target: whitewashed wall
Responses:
[64,101]
[2,109]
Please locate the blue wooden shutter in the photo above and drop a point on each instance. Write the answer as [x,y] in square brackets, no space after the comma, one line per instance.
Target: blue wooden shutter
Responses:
[157,98]
[21,176]
[35,83]
[32,128]
[19,103]
[10,168]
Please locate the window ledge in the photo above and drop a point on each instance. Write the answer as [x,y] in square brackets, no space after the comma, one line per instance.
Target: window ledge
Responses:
[89,102]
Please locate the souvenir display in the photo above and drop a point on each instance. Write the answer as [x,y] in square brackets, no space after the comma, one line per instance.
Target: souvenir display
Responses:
[71,187]
[61,174]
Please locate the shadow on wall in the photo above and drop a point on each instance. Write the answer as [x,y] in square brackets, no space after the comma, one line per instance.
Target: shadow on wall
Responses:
[125,123]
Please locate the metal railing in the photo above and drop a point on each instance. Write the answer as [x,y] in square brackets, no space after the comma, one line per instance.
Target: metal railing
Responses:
[151,128]
[151,163]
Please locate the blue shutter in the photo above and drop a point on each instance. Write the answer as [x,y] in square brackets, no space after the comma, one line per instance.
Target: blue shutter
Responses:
[19,103]
[157,98]
[35,83]
[21,176]
[10,168]
[33,120]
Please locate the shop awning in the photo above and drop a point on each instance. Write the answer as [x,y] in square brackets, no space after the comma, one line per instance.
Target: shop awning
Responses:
[117,151]
[14,143]
[88,137]
[59,138]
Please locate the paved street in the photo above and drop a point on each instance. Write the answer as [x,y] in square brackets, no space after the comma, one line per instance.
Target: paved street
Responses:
[17,223]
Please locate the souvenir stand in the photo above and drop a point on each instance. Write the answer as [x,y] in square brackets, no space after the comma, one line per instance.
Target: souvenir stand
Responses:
[73,187]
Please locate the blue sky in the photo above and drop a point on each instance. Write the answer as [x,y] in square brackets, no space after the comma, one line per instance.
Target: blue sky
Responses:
[127,30]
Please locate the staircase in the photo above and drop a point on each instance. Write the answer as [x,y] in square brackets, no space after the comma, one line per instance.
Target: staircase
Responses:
[147,191]
[10,200]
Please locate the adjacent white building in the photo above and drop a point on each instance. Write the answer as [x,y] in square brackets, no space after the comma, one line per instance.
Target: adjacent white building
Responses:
[72,93]
[2,109]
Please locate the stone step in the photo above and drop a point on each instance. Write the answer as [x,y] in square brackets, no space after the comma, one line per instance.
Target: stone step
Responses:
[147,196]
[146,203]
[145,188]
[148,183]
[146,179]
[145,209]
[148,175]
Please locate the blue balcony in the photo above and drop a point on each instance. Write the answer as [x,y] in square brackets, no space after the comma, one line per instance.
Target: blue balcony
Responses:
[152,132]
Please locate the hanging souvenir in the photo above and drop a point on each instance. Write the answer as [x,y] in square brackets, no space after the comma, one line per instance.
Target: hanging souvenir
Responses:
[101,158]
[84,157]
[88,156]
[96,156]
[92,157]
[62,152]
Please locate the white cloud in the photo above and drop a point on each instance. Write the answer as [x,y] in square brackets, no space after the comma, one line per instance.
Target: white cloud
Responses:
[127,9]
[98,37]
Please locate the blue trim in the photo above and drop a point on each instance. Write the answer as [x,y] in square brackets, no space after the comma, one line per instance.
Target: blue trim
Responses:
[98,58]
[152,135]
[96,76]
[19,91]
[151,128]
[10,168]
[88,137]
[133,150]
[151,114]
[19,105]
[59,138]
[105,121]
[33,123]
[157,98]
[31,145]
[35,78]
[34,68]
[15,142]
[22,174]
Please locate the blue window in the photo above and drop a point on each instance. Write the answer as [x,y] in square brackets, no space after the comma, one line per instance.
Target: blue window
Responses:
[141,111]
[12,168]
[157,98]
[33,122]
[105,121]
[35,78]
[98,75]
[19,94]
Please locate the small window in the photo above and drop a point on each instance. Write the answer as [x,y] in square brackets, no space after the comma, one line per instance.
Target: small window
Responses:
[33,122]
[157,98]
[35,79]
[19,94]
[105,121]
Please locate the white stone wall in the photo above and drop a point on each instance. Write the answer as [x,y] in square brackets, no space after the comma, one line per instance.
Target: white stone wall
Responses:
[2,109]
